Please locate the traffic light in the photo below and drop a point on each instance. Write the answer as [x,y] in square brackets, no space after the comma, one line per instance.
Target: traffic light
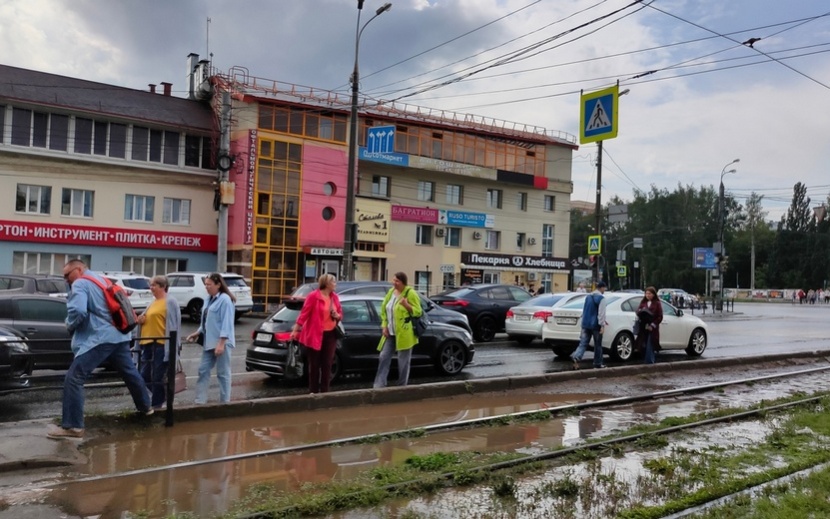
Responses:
[724,262]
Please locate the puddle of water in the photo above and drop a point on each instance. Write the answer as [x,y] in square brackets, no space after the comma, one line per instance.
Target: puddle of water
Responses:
[211,489]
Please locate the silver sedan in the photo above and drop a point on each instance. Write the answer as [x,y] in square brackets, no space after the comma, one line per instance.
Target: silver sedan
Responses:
[523,323]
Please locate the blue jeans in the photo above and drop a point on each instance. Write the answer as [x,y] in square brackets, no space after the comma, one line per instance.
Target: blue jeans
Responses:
[649,349]
[223,374]
[153,371]
[83,365]
[385,362]
[584,338]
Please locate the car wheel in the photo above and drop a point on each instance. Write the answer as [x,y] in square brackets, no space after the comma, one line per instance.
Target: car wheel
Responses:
[563,351]
[697,343]
[622,348]
[451,358]
[485,329]
[194,310]
[523,340]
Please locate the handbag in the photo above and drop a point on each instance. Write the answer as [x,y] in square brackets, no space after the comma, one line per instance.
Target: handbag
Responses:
[200,340]
[294,364]
[181,377]
[339,330]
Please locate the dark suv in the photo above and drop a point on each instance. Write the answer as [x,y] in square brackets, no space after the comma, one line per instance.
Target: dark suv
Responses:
[54,286]
[485,305]
[380,288]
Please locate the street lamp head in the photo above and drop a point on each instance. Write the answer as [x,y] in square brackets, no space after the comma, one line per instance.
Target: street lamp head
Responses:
[623,92]
[382,9]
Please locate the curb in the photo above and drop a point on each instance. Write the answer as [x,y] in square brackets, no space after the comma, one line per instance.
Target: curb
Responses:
[392,395]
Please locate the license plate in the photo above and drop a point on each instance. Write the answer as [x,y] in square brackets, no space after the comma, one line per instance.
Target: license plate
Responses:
[264,337]
[566,320]
[523,318]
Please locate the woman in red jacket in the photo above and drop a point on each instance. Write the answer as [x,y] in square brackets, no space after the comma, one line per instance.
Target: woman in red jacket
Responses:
[650,315]
[317,322]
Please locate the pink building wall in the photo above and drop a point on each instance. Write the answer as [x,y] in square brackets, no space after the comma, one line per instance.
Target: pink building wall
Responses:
[321,166]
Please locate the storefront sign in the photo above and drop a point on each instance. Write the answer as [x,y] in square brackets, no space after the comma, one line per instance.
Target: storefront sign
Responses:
[404,213]
[480,259]
[372,217]
[447,268]
[325,251]
[465,219]
[249,196]
[41,232]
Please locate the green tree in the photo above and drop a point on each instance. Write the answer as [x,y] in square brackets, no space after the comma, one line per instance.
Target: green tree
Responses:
[799,217]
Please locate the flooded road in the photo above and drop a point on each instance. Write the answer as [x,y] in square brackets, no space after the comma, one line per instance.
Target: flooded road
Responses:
[132,470]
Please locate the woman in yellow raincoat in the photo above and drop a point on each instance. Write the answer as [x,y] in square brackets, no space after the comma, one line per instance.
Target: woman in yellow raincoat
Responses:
[399,308]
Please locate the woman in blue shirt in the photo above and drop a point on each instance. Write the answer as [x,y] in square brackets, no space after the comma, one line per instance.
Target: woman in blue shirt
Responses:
[217,327]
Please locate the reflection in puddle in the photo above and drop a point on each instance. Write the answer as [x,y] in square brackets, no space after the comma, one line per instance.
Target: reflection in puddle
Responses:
[210,489]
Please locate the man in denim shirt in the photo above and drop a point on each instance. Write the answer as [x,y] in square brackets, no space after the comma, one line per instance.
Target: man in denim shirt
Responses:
[593,325]
[94,341]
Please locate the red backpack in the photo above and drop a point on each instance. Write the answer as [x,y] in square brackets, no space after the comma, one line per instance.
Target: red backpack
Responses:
[118,303]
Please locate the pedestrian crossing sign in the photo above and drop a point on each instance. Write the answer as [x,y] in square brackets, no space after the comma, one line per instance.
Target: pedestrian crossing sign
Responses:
[594,244]
[622,271]
[598,115]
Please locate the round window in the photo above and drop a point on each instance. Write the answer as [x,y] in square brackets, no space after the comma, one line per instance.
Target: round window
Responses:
[328,214]
[329,188]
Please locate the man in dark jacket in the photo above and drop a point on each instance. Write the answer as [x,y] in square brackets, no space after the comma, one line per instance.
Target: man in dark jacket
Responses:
[593,324]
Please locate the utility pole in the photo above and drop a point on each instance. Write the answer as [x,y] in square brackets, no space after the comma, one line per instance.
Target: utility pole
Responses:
[598,208]
[224,165]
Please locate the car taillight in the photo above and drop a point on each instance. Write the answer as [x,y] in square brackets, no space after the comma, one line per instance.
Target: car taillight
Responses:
[282,336]
[509,313]
[543,315]
[458,302]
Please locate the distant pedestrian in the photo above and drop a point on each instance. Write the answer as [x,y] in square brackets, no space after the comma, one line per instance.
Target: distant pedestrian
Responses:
[649,315]
[95,340]
[218,330]
[593,325]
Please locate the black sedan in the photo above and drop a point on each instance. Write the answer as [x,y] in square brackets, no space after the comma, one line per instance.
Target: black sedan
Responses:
[444,347]
[42,320]
[484,305]
[15,360]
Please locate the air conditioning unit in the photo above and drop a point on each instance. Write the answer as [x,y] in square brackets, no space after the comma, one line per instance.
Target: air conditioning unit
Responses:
[440,232]
[531,241]
[476,235]
[531,276]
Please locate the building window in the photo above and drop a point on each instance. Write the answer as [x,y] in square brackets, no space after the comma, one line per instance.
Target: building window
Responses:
[521,238]
[422,281]
[118,141]
[491,277]
[44,262]
[521,201]
[33,199]
[455,194]
[171,148]
[141,142]
[176,211]
[58,132]
[380,186]
[550,203]
[492,240]
[152,266]
[139,208]
[77,202]
[423,234]
[452,237]
[547,240]
[426,191]
[494,198]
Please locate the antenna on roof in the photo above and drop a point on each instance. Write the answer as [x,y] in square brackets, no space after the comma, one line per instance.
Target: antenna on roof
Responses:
[207,38]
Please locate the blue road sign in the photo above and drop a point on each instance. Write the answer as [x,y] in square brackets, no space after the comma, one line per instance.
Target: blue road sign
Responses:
[598,115]
[380,139]
[594,244]
[704,258]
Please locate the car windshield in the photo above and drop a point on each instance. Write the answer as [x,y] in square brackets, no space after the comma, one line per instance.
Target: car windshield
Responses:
[285,315]
[52,286]
[303,290]
[543,300]
[137,283]
[235,282]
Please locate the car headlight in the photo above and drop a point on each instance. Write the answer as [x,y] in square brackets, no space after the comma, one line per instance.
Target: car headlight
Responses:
[15,345]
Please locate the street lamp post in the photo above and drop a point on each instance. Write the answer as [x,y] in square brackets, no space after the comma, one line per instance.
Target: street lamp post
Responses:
[721,222]
[350,231]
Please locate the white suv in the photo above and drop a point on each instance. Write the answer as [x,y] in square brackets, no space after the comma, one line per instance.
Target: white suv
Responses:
[189,290]
[136,286]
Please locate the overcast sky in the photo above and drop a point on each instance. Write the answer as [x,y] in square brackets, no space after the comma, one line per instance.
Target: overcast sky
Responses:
[708,99]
